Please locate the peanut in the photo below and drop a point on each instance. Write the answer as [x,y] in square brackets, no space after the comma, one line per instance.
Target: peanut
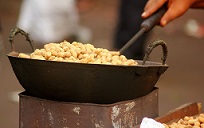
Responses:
[78,52]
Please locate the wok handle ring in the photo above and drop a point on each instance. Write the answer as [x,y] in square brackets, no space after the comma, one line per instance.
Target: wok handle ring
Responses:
[16,31]
[152,46]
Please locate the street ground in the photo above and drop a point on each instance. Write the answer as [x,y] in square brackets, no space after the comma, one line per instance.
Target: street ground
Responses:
[180,84]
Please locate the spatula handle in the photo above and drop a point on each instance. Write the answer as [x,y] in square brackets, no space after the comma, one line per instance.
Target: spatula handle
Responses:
[154,19]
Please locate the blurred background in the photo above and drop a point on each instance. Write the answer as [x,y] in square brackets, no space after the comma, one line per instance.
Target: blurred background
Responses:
[180,84]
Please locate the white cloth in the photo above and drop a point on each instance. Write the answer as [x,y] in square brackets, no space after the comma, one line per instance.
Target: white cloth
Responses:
[48,20]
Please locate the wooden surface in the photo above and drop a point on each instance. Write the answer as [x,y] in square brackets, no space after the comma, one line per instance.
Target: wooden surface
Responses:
[189,109]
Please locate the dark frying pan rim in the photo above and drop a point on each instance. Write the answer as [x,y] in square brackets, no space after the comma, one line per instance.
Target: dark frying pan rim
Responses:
[152,63]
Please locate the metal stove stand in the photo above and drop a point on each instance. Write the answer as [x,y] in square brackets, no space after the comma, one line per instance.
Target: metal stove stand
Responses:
[41,113]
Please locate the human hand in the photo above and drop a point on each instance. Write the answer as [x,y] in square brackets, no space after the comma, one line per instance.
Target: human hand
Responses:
[176,8]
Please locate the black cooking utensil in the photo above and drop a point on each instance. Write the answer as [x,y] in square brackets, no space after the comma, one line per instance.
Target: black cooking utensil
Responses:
[146,26]
[86,83]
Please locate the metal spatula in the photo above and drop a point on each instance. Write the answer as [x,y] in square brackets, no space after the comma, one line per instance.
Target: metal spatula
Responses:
[146,26]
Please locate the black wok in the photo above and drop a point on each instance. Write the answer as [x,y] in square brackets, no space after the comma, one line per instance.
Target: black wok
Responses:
[93,83]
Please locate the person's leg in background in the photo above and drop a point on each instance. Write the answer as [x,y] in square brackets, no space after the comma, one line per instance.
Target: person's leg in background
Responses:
[129,22]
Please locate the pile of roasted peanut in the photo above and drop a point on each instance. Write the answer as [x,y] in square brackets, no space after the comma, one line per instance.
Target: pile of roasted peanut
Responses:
[188,122]
[80,53]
